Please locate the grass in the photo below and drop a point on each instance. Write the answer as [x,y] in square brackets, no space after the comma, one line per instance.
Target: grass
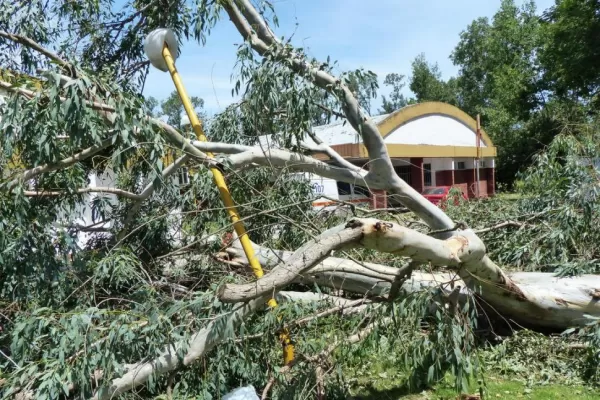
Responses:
[531,367]
[509,196]
[497,388]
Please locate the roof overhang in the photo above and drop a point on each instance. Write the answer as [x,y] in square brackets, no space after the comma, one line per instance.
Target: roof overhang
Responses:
[414,150]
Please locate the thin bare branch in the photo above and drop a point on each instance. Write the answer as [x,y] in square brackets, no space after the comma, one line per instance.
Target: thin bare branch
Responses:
[463,249]
[499,226]
[67,162]
[91,189]
[354,207]
[25,41]
[334,155]
[330,111]
[357,337]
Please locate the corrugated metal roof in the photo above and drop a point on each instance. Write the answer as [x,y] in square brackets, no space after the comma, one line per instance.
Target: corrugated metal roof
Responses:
[338,132]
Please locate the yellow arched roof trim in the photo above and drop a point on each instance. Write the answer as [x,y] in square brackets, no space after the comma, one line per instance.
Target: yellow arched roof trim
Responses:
[409,113]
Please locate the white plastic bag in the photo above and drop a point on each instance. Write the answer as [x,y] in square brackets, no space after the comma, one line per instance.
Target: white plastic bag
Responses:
[242,393]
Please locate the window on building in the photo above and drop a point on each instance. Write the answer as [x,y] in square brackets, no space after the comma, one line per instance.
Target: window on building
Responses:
[183,176]
[481,163]
[460,165]
[344,189]
[404,173]
[427,174]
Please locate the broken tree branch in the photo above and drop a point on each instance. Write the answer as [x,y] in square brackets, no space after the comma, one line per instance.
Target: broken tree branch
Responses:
[334,155]
[304,258]
[67,162]
[381,173]
[534,299]
[297,162]
[463,249]
[32,44]
[91,189]
[200,343]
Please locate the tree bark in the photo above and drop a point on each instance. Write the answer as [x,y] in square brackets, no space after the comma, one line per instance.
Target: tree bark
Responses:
[304,258]
[548,302]
[464,249]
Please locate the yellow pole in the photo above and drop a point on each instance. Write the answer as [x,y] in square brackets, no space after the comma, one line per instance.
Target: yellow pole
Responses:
[219,179]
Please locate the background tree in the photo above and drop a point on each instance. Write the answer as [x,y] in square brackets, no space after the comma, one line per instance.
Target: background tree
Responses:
[172,108]
[500,78]
[570,54]
[396,99]
[427,84]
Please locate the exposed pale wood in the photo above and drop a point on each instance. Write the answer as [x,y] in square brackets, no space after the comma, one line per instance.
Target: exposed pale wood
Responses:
[369,233]
[544,301]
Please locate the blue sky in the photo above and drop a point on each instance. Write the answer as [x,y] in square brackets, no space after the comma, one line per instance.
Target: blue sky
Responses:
[381,35]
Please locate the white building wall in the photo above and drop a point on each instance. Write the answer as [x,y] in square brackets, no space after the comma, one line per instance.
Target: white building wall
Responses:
[83,214]
[490,162]
[469,163]
[435,130]
[440,164]
[485,162]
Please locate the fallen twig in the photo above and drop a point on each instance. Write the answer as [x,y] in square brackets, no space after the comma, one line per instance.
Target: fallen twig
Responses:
[500,225]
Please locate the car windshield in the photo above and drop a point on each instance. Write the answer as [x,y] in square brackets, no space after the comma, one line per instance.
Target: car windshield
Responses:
[435,190]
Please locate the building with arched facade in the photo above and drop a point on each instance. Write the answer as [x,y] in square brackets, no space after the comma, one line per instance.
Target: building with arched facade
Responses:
[430,144]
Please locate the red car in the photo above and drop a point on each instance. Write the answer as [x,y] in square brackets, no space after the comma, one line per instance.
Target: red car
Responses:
[437,194]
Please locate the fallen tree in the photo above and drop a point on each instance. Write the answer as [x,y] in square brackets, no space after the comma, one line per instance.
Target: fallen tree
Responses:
[560,302]
[544,306]
[165,305]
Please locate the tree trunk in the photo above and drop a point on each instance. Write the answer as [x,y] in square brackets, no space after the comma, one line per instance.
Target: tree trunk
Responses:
[546,302]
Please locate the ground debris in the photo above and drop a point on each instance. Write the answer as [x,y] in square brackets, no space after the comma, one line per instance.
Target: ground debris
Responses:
[465,396]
